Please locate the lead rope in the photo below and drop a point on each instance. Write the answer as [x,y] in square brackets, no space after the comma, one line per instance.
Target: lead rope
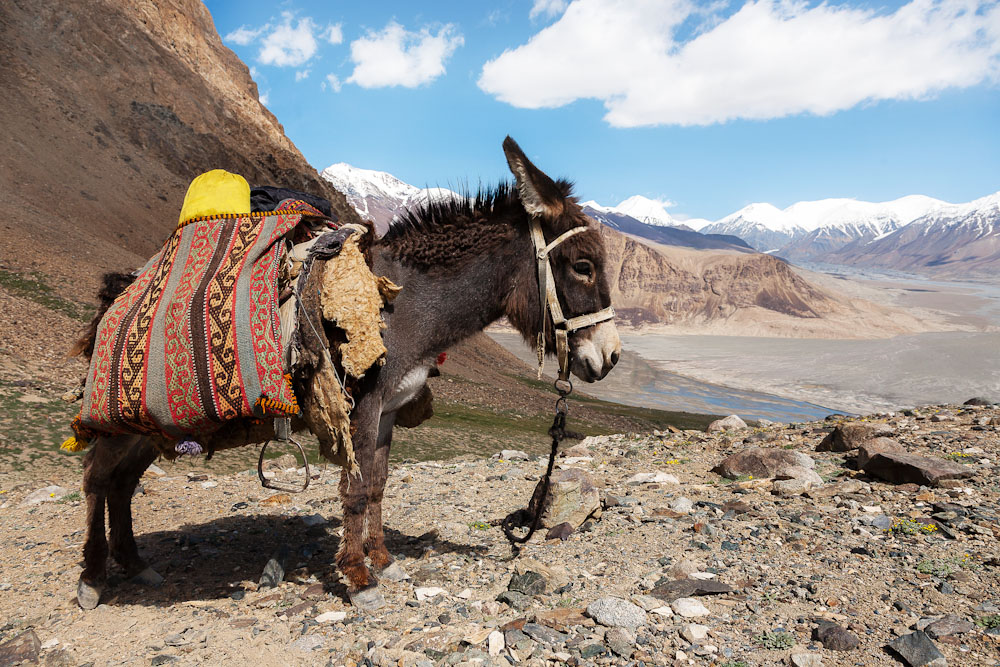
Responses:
[536,506]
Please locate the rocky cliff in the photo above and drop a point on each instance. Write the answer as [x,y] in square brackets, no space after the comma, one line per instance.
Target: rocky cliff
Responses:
[109,109]
[734,293]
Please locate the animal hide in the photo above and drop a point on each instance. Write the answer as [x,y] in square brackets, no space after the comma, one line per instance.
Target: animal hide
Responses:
[353,298]
[332,278]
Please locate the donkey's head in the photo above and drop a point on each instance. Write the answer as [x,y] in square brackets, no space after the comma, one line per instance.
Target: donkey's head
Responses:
[577,265]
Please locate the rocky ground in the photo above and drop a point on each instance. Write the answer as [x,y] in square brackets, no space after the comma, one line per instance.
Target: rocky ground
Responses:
[828,566]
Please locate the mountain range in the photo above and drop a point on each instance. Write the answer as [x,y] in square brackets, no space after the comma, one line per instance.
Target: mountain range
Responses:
[915,233]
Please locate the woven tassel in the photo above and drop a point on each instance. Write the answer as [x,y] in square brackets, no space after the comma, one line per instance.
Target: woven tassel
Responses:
[188,447]
[74,444]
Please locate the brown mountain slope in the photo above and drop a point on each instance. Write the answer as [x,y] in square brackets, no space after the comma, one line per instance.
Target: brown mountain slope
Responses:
[693,291]
[109,109]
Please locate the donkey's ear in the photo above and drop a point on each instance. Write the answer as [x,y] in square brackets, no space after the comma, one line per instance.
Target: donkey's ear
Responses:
[540,195]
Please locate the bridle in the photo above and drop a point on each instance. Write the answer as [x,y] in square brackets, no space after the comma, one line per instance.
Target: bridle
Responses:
[549,300]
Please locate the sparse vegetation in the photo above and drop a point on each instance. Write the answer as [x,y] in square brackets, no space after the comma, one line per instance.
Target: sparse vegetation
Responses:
[70,497]
[901,526]
[32,286]
[775,640]
[989,621]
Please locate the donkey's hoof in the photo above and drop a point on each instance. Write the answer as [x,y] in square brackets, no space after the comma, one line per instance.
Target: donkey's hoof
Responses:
[148,577]
[368,599]
[393,572]
[87,596]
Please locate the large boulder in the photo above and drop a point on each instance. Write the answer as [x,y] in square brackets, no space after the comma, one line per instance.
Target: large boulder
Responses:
[852,435]
[730,423]
[980,401]
[877,446]
[912,468]
[573,498]
[796,480]
[761,462]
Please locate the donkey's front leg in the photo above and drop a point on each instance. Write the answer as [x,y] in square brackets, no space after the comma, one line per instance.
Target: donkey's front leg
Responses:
[378,555]
[354,498]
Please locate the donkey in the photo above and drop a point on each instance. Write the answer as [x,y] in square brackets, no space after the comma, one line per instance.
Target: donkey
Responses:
[463,264]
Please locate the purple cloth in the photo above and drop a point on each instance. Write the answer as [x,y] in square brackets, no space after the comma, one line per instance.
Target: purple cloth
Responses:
[188,447]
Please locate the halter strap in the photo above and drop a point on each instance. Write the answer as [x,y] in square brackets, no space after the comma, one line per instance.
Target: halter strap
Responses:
[549,300]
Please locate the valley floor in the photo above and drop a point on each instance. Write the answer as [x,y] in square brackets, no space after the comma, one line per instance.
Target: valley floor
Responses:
[958,360]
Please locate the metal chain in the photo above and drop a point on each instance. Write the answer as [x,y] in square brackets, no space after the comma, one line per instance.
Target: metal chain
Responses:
[523,516]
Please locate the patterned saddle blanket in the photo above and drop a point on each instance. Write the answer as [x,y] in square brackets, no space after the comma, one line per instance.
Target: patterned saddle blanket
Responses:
[195,341]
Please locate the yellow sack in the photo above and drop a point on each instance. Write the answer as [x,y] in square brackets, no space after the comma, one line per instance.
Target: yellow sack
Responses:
[216,193]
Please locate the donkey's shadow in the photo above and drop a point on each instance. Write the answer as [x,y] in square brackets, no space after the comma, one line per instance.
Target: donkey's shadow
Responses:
[212,560]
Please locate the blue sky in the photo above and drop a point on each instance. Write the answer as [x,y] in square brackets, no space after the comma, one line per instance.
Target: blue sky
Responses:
[707,105]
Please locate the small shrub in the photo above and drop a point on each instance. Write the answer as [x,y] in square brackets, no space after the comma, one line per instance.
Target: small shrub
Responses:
[479,525]
[902,526]
[989,621]
[70,497]
[776,640]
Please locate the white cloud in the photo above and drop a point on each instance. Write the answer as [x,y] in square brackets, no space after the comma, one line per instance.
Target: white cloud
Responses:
[771,58]
[264,97]
[547,7]
[302,74]
[334,33]
[398,57]
[288,45]
[245,34]
[333,81]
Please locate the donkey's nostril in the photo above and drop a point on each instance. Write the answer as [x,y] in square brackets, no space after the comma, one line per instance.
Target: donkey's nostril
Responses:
[614,358]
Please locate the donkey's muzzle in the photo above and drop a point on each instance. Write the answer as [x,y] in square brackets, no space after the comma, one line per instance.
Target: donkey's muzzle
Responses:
[596,350]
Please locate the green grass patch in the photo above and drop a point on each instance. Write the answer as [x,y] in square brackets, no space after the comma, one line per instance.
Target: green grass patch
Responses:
[32,286]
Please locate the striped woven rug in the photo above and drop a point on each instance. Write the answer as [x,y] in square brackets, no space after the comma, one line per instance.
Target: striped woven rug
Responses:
[194,342]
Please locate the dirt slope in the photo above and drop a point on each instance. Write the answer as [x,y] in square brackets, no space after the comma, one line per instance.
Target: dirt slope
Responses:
[109,109]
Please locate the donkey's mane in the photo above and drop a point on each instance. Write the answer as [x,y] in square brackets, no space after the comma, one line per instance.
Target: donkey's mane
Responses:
[445,233]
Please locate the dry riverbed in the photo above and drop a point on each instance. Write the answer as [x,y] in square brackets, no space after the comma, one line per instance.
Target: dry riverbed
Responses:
[828,577]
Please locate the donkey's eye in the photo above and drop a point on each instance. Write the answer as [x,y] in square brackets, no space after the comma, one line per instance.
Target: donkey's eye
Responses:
[584,268]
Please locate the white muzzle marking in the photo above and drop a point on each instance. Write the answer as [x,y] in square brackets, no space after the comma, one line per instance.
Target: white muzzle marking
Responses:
[596,351]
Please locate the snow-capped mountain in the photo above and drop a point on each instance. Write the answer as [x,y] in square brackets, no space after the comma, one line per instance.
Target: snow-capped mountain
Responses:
[378,195]
[808,229]
[612,217]
[645,210]
[953,239]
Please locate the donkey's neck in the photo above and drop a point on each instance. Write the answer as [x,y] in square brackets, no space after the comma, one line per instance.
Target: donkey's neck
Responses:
[442,305]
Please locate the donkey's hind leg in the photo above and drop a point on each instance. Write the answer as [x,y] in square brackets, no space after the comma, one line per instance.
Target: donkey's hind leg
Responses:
[124,480]
[98,467]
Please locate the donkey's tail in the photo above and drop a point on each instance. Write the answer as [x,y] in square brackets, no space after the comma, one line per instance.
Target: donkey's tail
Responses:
[112,285]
